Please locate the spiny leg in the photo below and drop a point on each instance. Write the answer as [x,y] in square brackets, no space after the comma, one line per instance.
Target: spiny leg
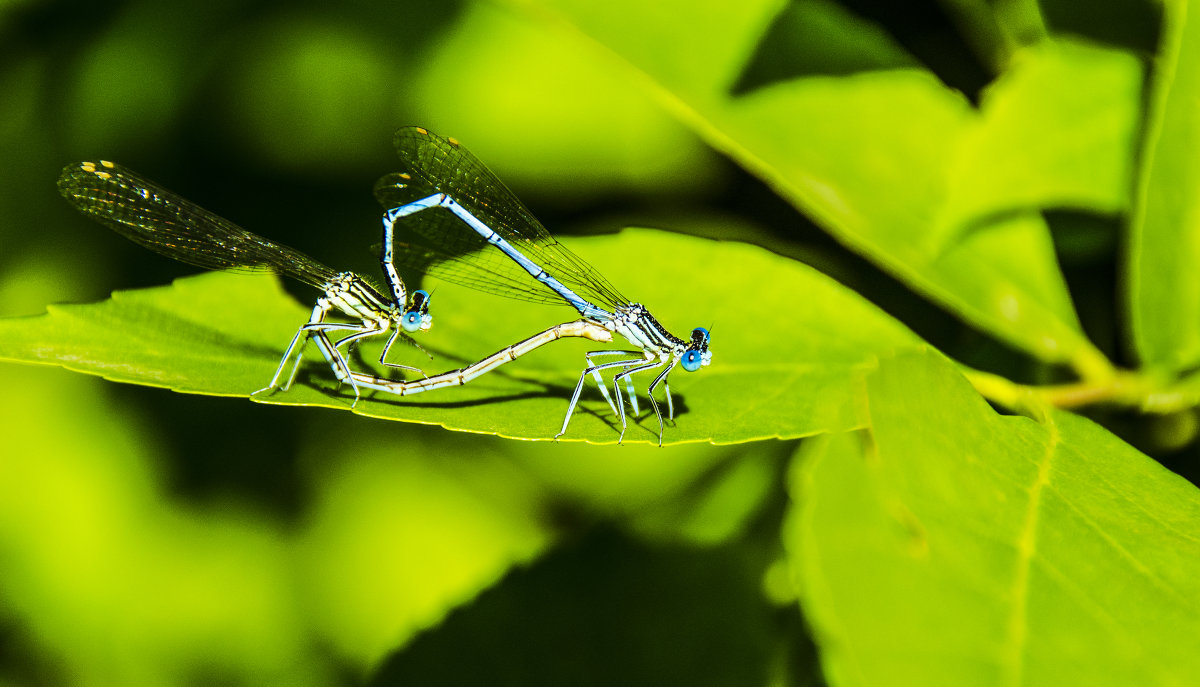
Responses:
[387,347]
[626,375]
[316,329]
[593,370]
[632,393]
[617,390]
[283,362]
[670,404]
[360,332]
[662,377]
[318,315]
[600,380]
[341,368]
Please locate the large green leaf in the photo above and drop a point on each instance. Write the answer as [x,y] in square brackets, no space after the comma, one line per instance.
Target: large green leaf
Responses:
[396,539]
[787,344]
[409,523]
[898,166]
[116,578]
[951,545]
[1164,246]
[388,544]
[608,610]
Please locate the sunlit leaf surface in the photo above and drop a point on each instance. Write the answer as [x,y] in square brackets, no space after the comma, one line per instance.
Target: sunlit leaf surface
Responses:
[952,545]
[788,344]
[898,166]
[1164,248]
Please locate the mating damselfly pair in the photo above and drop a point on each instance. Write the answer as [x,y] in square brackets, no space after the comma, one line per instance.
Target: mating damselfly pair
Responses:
[448,209]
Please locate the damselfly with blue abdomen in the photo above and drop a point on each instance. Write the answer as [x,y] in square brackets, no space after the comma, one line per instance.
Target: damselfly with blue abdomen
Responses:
[472,209]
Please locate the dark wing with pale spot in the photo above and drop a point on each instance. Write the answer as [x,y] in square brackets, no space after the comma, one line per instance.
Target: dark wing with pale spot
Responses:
[437,240]
[148,214]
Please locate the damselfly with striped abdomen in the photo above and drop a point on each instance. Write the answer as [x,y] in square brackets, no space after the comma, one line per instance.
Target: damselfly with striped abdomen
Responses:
[166,223]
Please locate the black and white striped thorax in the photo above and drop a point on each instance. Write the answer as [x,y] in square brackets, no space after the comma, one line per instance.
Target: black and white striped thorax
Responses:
[635,323]
[354,297]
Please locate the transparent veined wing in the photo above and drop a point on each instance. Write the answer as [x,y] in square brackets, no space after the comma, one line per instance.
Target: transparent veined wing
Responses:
[431,164]
[152,216]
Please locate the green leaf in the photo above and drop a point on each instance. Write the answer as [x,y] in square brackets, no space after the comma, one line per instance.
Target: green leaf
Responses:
[995,31]
[948,544]
[100,551]
[396,540]
[208,334]
[899,167]
[608,610]
[389,542]
[1164,244]
[810,38]
[1056,130]
[787,344]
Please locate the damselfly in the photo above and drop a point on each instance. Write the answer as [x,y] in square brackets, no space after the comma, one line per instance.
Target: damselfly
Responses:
[473,209]
[162,221]
[580,328]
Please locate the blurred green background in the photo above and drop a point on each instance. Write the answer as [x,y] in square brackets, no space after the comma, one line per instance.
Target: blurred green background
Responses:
[152,538]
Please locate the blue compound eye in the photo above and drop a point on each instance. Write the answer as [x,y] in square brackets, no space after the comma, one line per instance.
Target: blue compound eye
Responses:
[420,299]
[418,318]
[691,360]
[411,321]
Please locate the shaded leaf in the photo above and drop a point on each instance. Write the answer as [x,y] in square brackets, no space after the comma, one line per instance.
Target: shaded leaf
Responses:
[611,612]
[811,37]
[397,539]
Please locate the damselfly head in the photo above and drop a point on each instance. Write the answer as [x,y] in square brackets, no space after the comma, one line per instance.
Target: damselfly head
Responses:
[417,318]
[697,354]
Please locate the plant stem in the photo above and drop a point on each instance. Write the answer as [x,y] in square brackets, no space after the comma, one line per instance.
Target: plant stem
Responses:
[1138,390]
